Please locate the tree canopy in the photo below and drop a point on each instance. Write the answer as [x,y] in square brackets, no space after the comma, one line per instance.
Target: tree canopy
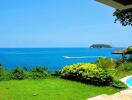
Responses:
[124,16]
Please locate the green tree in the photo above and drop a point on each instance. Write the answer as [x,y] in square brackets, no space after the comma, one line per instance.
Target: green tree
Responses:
[124,16]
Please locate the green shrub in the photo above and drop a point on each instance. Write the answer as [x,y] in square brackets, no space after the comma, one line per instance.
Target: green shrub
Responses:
[88,73]
[39,72]
[1,72]
[126,66]
[118,84]
[18,73]
[106,63]
[4,73]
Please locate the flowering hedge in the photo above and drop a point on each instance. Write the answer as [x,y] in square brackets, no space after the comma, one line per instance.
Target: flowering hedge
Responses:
[88,73]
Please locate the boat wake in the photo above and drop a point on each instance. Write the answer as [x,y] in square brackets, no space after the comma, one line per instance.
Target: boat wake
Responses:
[79,57]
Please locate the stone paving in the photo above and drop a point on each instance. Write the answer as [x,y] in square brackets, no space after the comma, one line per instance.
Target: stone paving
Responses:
[122,95]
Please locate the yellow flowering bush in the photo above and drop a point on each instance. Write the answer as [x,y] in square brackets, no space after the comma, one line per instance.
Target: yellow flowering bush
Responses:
[88,73]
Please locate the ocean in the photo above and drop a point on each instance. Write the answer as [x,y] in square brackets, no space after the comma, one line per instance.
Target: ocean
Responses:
[53,58]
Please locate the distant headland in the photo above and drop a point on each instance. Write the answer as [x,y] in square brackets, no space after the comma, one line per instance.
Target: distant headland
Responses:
[100,46]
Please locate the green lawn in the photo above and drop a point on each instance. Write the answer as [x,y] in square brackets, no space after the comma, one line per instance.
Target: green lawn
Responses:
[50,89]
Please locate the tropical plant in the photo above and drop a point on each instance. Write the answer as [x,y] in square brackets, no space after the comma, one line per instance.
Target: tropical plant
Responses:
[126,66]
[106,63]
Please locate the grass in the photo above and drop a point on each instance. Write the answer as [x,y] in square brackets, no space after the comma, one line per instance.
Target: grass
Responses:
[50,89]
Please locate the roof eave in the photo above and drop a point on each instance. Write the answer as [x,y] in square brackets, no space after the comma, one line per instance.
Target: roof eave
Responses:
[114,4]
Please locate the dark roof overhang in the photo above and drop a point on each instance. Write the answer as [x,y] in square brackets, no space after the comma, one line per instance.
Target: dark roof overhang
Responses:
[124,2]
[118,4]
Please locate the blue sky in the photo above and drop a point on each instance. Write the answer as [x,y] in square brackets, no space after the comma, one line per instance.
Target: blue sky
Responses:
[59,23]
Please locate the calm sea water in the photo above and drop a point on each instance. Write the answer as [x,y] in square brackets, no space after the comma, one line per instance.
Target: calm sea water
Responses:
[53,58]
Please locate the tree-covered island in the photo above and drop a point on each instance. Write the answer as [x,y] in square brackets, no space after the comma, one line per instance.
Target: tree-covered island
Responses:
[100,46]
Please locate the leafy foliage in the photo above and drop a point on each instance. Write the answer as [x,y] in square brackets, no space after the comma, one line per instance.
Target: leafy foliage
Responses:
[4,73]
[1,72]
[118,84]
[18,73]
[126,66]
[88,73]
[124,16]
[106,63]
[39,72]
